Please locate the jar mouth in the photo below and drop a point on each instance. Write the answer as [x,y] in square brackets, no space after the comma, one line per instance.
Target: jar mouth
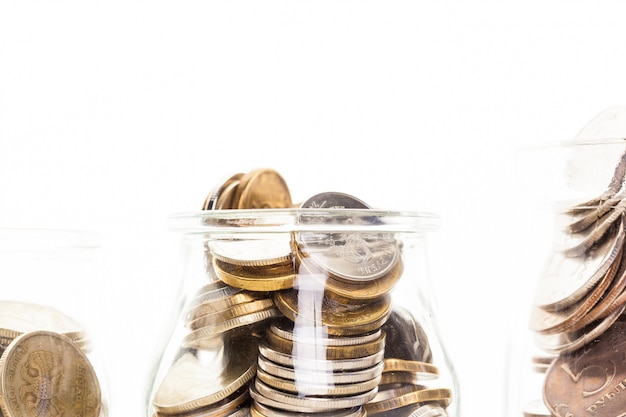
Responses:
[303,220]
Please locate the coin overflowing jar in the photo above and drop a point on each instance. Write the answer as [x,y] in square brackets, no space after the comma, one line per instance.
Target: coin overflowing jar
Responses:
[316,308]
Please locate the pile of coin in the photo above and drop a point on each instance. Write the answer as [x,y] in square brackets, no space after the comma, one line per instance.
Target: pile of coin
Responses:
[577,315]
[44,368]
[299,323]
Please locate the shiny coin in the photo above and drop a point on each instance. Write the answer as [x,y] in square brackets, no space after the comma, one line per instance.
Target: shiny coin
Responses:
[441,395]
[211,202]
[250,252]
[583,242]
[18,317]
[204,378]
[589,381]
[263,188]
[259,410]
[281,344]
[224,408]
[307,374]
[285,329]
[559,321]
[308,363]
[567,279]
[255,279]
[334,200]
[205,337]
[312,403]
[366,290]
[215,305]
[43,373]
[319,388]
[346,319]
[232,313]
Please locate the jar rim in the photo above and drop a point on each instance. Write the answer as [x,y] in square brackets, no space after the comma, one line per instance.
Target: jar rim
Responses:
[302,219]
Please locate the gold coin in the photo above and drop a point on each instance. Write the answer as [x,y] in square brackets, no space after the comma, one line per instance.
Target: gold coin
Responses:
[309,334]
[239,310]
[211,201]
[424,369]
[311,307]
[312,403]
[332,352]
[205,337]
[262,188]
[255,279]
[44,373]
[205,378]
[319,388]
[259,410]
[307,363]
[307,374]
[224,408]
[420,395]
[221,304]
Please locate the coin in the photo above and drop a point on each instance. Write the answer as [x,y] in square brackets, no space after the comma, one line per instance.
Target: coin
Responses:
[420,395]
[263,188]
[232,313]
[338,319]
[423,370]
[334,200]
[312,403]
[585,241]
[17,317]
[567,280]
[45,373]
[272,278]
[310,334]
[591,380]
[308,363]
[210,203]
[259,410]
[199,379]
[228,407]
[406,337]
[253,252]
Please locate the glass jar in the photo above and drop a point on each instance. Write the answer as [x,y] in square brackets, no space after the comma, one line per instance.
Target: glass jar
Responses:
[50,324]
[325,312]
[566,347]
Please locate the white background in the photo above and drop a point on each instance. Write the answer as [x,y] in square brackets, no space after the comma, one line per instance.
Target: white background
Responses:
[115,114]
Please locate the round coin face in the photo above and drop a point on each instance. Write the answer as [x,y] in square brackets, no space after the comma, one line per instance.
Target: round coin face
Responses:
[44,373]
[18,317]
[263,188]
[589,381]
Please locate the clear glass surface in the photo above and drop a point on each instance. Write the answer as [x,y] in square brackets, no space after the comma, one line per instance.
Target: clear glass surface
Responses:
[50,324]
[304,312]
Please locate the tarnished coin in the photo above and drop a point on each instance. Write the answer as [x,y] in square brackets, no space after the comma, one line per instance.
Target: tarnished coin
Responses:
[203,378]
[338,319]
[568,279]
[589,381]
[406,338]
[263,188]
[44,373]
[18,317]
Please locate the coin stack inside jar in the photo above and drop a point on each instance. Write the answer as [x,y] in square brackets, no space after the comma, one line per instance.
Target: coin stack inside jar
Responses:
[299,323]
[577,317]
[44,367]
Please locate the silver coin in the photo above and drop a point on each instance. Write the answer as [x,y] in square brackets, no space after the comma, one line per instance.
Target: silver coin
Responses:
[251,252]
[568,279]
[265,411]
[334,200]
[429,410]
[305,334]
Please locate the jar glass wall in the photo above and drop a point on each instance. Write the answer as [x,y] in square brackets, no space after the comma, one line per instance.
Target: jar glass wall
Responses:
[323,312]
[565,344]
[50,324]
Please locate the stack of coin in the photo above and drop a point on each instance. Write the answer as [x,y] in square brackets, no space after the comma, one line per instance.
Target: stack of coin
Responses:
[316,307]
[44,367]
[580,302]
